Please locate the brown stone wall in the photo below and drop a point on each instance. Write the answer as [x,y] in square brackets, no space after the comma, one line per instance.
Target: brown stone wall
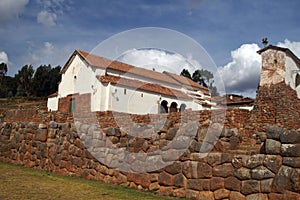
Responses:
[82,103]
[276,104]
[272,174]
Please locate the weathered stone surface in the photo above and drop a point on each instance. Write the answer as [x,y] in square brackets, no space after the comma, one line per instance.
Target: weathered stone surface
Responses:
[139,179]
[224,170]
[221,194]
[266,185]
[291,195]
[290,137]
[274,132]
[214,159]
[291,161]
[154,186]
[165,179]
[272,146]
[171,133]
[250,187]
[180,180]
[237,162]
[257,197]
[41,135]
[290,150]
[203,170]
[282,180]
[206,195]
[261,172]
[242,173]
[198,184]
[216,183]
[236,196]
[273,162]
[253,161]
[275,196]
[262,136]
[232,183]
[192,194]
[174,168]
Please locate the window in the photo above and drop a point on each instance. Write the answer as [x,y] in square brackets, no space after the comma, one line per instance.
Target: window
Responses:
[124,91]
[297,81]
[142,95]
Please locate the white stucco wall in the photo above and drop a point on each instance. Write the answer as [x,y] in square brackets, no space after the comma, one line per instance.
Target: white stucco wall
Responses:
[52,104]
[292,69]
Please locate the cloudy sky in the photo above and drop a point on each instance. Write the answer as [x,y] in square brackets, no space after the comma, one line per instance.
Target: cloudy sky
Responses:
[47,31]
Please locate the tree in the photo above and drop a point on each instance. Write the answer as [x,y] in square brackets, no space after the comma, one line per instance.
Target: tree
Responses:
[197,77]
[202,77]
[3,69]
[186,73]
[45,80]
[24,79]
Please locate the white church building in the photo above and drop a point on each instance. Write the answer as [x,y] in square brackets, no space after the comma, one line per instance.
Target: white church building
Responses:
[93,83]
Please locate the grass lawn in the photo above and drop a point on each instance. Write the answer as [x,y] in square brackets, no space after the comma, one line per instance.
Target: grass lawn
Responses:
[17,182]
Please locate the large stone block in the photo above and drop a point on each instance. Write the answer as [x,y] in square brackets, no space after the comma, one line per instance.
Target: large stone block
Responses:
[274,132]
[41,135]
[139,179]
[253,161]
[224,170]
[272,146]
[221,194]
[180,180]
[273,162]
[216,183]
[198,184]
[291,161]
[203,170]
[266,185]
[282,180]
[290,137]
[257,197]
[290,150]
[236,196]
[174,168]
[206,195]
[250,187]
[242,173]
[192,194]
[232,183]
[166,179]
[261,172]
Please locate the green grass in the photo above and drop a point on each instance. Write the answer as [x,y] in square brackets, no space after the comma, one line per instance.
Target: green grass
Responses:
[17,182]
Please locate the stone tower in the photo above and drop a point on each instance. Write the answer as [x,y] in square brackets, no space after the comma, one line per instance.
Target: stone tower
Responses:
[278,97]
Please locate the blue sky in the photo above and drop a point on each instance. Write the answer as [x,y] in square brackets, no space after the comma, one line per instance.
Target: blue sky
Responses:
[47,32]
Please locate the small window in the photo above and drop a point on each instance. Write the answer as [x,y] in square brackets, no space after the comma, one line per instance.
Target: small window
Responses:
[297,81]
[116,90]
[125,91]
[142,95]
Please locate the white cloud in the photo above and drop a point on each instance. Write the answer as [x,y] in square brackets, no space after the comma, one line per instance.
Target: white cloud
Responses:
[159,60]
[293,46]
[47,18]
[3,57]
[241,75]
[11,9]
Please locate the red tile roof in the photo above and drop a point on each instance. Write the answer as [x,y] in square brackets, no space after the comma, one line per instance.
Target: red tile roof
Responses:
[98,61]
[143,86]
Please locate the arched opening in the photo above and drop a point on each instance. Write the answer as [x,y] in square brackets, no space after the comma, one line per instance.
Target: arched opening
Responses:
[182,107]
[297,81]
[173,107]
[164,107]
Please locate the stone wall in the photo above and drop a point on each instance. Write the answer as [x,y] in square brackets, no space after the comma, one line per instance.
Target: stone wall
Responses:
[276,104]
[274,173]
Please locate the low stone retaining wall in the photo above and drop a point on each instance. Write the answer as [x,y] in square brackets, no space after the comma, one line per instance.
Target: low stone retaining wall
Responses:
[272,174]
